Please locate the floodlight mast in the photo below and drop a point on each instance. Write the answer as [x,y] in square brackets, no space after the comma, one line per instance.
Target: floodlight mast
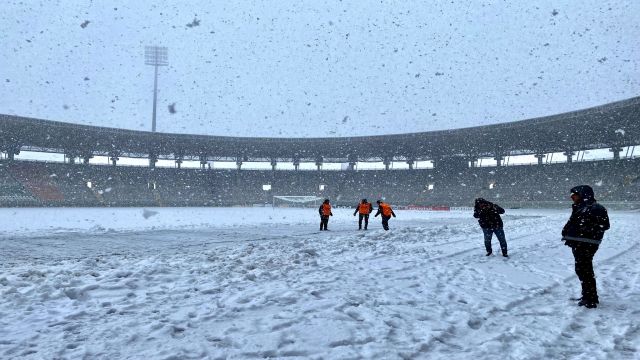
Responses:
[156,56]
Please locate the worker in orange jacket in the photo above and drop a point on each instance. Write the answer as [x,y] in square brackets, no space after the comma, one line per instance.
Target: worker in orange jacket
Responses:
[364,208]
[325,212]
[386,211]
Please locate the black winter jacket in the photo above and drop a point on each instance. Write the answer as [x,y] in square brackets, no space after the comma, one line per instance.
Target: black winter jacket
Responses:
[488,216]
[588,222]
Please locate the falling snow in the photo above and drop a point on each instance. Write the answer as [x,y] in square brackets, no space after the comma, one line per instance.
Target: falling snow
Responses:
[269,69]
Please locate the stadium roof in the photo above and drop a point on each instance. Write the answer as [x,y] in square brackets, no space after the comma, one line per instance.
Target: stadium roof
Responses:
[611,125]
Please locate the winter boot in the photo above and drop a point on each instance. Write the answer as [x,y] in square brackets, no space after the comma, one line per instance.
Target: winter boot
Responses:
[489,253]
[579,299]
[588,305]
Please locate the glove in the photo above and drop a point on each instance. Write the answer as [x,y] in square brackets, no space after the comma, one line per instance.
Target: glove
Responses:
[330,214]
[394,215]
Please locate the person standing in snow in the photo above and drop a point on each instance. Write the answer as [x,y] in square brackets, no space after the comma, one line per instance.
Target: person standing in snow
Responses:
[364,208]
[386,211]
[583,233]
[325,212]
[488,215]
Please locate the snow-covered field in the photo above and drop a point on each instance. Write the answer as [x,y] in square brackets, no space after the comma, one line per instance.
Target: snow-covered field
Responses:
[262,283]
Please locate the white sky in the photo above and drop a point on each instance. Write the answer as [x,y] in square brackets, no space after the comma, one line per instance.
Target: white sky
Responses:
[315,68]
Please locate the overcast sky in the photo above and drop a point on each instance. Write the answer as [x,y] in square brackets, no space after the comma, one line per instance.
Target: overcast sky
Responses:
[315,68]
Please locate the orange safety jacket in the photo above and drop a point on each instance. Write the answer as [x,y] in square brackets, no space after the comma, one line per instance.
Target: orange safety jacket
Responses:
[326,209]
[386,209]
[364,208]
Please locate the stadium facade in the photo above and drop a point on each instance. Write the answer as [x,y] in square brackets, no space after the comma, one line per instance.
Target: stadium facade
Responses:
[455,180]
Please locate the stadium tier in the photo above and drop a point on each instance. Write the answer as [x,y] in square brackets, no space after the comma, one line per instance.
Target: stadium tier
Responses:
[55,184]
[454,180]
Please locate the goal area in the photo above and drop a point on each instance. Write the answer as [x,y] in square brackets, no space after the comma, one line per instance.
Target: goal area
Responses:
[296,201]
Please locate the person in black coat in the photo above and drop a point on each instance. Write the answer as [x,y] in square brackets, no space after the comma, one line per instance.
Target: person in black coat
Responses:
[583,233]
[488,215]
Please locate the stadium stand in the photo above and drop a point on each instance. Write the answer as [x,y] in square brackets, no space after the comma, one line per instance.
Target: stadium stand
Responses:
[12,193]
[452,182]
[517,186]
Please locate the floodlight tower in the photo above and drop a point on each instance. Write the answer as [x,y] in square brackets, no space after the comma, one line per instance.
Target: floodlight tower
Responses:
[156,56]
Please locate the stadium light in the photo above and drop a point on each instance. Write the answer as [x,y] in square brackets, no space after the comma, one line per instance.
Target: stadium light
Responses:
[156,56]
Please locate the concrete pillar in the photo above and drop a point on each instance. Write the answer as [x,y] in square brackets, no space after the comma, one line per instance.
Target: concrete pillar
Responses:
[499,159]
[470,160]
[353,160]
[12,151]
[86,158]
[153,159]
[387,163]
[616,152]
[569,154]
[203,162]
[410,163]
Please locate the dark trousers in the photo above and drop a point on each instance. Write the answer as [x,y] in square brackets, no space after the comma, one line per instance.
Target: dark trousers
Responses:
[583,255]
[324,220]
[366,221]
[385,222]
[488,234]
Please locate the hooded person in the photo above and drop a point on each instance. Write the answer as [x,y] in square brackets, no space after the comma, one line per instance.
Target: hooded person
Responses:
[583,233]
[325,212]
[386,211]
[363,208]
[488,215]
